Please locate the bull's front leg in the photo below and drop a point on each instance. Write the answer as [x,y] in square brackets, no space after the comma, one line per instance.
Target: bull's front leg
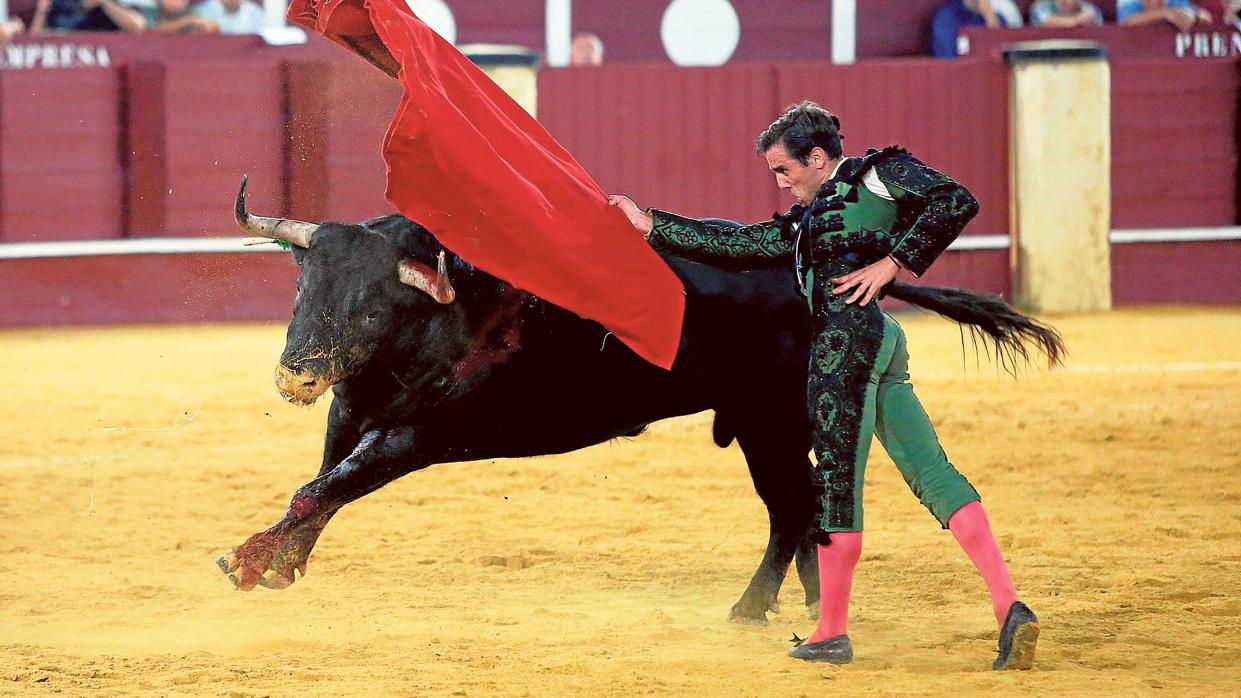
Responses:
[342,437]
[269,558]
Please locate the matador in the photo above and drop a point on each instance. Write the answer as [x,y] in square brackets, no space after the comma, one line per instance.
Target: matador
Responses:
[856,223]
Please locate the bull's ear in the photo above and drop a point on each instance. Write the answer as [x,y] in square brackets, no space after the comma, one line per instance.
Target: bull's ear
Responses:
[435,283]
[299,253]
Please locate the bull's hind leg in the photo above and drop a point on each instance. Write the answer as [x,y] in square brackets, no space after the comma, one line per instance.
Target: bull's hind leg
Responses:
[269,558]
[778,464]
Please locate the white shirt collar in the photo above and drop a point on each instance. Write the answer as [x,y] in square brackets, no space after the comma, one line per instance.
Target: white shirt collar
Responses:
[837,169]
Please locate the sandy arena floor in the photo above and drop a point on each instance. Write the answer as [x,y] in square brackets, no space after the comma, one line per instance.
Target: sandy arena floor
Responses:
[131,458]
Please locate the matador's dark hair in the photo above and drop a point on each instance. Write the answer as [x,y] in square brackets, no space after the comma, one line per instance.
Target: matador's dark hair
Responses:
[802,128]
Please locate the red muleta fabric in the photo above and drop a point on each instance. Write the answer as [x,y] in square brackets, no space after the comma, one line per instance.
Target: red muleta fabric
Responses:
[474,168]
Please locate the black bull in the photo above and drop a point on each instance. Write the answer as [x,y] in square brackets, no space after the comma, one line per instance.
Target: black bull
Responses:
[498,373]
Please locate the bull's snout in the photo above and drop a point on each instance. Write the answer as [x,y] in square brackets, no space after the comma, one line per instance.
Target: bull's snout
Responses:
[300,387]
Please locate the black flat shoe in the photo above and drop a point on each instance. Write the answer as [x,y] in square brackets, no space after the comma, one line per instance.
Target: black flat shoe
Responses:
[837,650]
[1017,639]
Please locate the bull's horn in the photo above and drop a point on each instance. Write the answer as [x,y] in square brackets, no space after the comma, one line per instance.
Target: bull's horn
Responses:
[435,284]
[290,231]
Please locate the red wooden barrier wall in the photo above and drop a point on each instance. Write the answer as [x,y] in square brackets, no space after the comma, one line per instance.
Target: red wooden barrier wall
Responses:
[146,288]
[1198,272]
[682,139]
[193,128]
[160,148]
[60,155]
[518,22]
[673,138]
[1174,149]
[952,115]
[337,116]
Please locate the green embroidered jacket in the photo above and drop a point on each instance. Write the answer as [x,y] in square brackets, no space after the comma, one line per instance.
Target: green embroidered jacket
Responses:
[846,218]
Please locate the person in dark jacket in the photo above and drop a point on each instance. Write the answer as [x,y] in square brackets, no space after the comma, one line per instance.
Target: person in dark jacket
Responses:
[952,16]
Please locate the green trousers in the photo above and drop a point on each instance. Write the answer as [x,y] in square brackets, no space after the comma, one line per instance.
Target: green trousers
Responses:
[859,387]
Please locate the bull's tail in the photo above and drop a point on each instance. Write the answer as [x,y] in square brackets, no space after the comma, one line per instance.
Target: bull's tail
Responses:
[1009,333]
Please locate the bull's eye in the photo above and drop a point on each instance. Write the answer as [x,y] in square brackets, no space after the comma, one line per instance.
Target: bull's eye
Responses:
[372,316]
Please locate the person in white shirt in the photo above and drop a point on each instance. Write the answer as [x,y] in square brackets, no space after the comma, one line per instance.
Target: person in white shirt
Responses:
[233,16]
[11,28]
[1232,13]
[1007,11]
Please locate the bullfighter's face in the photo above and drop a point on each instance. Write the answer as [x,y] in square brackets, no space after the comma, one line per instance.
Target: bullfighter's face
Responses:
[802,181]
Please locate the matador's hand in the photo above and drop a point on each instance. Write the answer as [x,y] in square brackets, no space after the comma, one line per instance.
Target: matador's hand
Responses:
[867,281]
[639,218]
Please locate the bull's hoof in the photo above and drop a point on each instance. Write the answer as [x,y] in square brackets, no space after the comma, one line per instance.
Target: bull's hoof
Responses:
[742,617]
[243,578]
[744,612]
[269,559]
[246,577]
[272,579]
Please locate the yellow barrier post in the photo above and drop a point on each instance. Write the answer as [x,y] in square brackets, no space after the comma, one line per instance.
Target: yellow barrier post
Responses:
[514,68]
[1060,177]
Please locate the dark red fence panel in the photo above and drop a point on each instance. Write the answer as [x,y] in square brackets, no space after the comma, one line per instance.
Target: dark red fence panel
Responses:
[338,114]
[953,115]
[1174,149]
[146,288]
[60,160]
[682,138]
[518,22]
[673,138]
[980,270]
[195,127]
[1177,272]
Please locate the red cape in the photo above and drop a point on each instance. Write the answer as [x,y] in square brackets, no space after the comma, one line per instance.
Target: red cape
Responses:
[473,167]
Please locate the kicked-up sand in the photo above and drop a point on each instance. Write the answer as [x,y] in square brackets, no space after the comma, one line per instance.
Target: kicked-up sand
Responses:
[131,458]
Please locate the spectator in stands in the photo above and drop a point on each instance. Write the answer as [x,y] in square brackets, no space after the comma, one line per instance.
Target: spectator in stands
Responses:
[1181,14]
[1232,13]
[233,16]
[175,17]
[586,49]
[11,28]
[88,15]
[1007,11]
[953,15]
[1065,13]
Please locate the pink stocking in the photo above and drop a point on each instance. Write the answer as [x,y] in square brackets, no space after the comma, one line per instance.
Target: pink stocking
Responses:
[972,530]
[836,563]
